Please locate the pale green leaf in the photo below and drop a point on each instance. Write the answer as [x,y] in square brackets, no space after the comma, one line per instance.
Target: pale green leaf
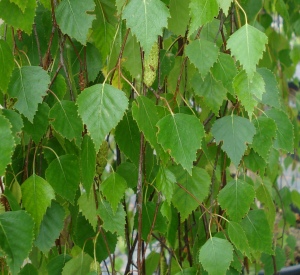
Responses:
[146,21]
[73,18]
[265,134]
[179,21]
[7,143]
[225,70]
[51,226]
[216,255]
[87,206]
[16,123]
[238,238]
[285,132]
[211,90]
[113,222]
[36,197]
[236,197]
[249,90]
[271,96]
[258,232]
[101,107]
[210,32]
[247,45]
[16,237]
[202,12]
[113,188]
[28,84]
[63,174]
[15,17]
[191,190]
[264,195]
[65,120]
[235,132]
[79,265]
[224,5]
[165,183]
[87,163]
[203,54]
[7,58]
[180,135]
[128,137]
[38,127]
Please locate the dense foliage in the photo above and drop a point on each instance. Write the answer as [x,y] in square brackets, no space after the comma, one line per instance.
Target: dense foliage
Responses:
[145,136]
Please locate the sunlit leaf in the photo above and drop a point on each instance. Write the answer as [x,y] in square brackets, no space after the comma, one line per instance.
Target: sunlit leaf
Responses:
[179,11]
[7,58]
[87,206]
[165,183]
[238,237]
[79,265]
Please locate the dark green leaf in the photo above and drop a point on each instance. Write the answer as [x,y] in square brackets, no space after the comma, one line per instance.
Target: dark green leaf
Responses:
[7,58]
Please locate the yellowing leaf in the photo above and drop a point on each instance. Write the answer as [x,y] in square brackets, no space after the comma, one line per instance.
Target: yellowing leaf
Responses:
[247,45]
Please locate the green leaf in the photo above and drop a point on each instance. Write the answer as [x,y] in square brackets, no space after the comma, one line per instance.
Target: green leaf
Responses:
[254,162]
[146,21]
[87,163]
[280,259]
[216,255]
[247,45]
[235,132]
[87,206]
[16,123]
[264,195]
[236,197]
[179,11]
[203,54]
[38,127]
[79,265]
[238,237]
[225,70]
[211,90]
[271,96]
[258,231]
[265,133]
[103,30]
[191,190]
[51,226]
[180,135]
[129,172]
[113,188]
[7,58]
[249,90]
[202,12]
[36,197]
[285,132]
[128,138]
[73,18]
[14,16]
[165,183]
[29,269]
[113,222]
[63,174]
[224,5]
[28,84]
[7,143]
[56,264]
[101,107]
[65,119]
[16,236]
[145,113]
